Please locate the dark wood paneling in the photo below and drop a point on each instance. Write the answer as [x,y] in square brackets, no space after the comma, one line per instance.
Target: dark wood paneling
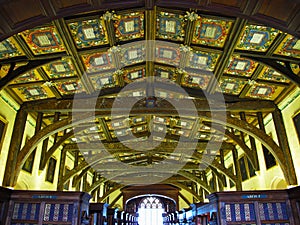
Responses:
[281,10]
[178,3]
[124,4]
[229,7]
[23,12]
[70,6]
[231,3]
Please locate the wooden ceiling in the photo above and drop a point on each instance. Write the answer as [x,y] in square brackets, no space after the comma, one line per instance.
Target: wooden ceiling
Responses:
[55,50]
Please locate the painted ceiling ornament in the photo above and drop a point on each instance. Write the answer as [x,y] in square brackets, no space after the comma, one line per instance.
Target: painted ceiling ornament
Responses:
[185,48]
[252,82]
[114,49]
[48,84]
[108,16]
[191,16]
[180,71]
[119,72]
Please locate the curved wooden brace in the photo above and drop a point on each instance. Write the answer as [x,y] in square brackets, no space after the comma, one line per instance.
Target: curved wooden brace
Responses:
[248,152]
[181,186]
[218,175]
[267,141]
[78,178]
[72,173]
[110,191]
[96,184]
[51,151]
[221,168]
[253,131]
[197,180]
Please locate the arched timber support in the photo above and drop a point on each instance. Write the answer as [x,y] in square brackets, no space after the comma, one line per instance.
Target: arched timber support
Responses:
[71,174]
[197,180]
[78,178]
[269,143]
[181,186]
[248,152]
[110,191]
[231,122]
[51,151]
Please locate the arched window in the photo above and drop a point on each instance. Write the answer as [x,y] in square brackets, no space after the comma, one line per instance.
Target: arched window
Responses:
[150,211]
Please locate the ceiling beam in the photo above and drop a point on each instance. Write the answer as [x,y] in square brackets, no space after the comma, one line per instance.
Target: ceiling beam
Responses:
[104,105]
[229,47]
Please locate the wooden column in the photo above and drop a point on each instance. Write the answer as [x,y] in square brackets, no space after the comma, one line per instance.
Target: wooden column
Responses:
[284,145]
[237,168]
[252,143]
[61,169]
[15,146]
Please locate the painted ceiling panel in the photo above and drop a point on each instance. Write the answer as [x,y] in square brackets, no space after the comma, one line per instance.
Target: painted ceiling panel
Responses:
[98,62]
[33,92]
[104,80]
[133,74]
[289,47]
[165,73]
[61,68]
[195,80]
[88,33]
[69,87]
[43,40]
[129,26]
[232,85]
[9,49]
[211,32]
[264,91]
[30,76]
[241,66]
[170,26]
[272,75]
[203,60]
[257,38]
